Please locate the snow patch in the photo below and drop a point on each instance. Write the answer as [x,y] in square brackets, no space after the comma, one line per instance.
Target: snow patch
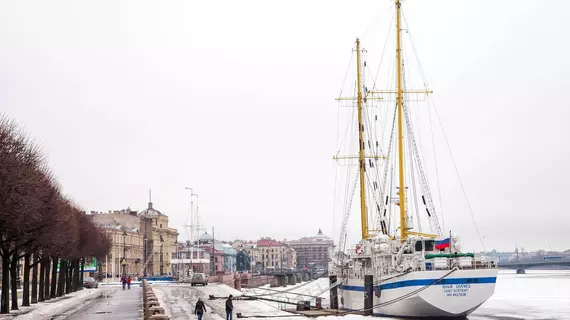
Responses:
[54,307]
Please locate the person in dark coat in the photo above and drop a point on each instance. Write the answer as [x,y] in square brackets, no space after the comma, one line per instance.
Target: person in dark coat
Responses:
[200,309]
[229,308]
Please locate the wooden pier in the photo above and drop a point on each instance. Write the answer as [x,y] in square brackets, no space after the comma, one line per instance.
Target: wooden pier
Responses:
[313,313]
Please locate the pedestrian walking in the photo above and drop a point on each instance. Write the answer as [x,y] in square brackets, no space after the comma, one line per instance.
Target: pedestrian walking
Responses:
[124,281]
[229,307]
[129,282]
[200,309]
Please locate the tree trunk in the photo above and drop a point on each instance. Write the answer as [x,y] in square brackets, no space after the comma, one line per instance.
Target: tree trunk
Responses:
[69,277]
[53,282]
[81,273]
[14,284]
[47,280]
[61,278]
[42,285]
[5,303]
[35,279]
[26,291]
[77,275]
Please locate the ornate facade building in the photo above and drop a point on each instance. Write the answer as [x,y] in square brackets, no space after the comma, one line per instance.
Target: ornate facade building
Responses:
[141,243]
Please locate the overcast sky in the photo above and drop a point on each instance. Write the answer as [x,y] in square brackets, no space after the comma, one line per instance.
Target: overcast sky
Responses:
[236,99]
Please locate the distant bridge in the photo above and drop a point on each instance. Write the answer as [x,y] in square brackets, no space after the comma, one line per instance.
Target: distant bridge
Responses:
[534,264]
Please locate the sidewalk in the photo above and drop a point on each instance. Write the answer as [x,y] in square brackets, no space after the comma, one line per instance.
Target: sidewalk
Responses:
[54,307]
[118,304]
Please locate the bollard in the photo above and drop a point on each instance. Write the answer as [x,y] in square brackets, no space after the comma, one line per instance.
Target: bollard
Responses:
[156,310]
[151,308]
[368,295]
[333,292]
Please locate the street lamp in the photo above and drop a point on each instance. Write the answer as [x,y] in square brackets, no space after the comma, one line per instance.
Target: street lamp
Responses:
[161,256]
[124,263]
[177,274]
[144,253]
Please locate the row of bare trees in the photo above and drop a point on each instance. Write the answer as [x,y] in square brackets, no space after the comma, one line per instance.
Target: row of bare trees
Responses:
[39,226]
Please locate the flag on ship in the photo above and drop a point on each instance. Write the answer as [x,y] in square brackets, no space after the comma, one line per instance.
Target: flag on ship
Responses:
[442,244]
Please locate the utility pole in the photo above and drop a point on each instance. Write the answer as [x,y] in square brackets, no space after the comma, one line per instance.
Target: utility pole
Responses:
[190,225]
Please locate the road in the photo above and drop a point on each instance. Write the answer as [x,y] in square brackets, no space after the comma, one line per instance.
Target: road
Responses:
[115,304]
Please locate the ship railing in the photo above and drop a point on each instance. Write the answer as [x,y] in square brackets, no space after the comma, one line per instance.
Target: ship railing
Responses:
[453,262]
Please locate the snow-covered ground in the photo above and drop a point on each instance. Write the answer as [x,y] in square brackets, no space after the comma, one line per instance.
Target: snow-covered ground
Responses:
[57,306]
[179,301]
[536,295]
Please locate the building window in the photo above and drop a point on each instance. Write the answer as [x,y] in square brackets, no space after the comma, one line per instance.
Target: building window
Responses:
[161,225]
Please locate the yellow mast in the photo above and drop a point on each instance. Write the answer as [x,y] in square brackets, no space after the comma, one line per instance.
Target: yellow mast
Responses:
[403,226]
[364,216]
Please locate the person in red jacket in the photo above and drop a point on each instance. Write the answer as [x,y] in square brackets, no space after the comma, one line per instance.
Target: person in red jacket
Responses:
[129,282]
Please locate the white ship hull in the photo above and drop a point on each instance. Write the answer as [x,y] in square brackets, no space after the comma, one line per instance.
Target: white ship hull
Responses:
[458,295]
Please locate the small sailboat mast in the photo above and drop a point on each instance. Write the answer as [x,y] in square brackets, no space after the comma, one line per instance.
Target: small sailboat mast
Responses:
[361,161]
[400,101]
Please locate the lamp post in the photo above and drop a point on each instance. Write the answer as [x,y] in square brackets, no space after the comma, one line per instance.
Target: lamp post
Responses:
[124,263]
[178,261]
[144,253]
[161,256]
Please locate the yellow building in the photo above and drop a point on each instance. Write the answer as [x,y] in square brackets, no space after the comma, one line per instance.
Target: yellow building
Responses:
[159,242]
[141,243]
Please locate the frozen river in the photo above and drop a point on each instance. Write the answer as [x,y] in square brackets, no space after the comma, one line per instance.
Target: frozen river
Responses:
[537,295]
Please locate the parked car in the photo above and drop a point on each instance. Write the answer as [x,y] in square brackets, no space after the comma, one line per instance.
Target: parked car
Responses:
[199,278]
[89,282]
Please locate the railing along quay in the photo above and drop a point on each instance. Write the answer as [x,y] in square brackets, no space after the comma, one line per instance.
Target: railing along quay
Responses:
[151,306]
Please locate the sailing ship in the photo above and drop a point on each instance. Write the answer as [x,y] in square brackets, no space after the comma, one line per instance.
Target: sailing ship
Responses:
[396,269]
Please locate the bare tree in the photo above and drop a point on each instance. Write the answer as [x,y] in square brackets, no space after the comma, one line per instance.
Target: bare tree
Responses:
[39,225]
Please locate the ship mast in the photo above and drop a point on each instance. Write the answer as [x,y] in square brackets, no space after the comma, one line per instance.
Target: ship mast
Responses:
[363,213]
[400,98]
[405,230]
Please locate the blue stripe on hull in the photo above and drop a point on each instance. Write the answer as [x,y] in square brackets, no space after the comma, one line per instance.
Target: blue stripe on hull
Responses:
[425,282]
